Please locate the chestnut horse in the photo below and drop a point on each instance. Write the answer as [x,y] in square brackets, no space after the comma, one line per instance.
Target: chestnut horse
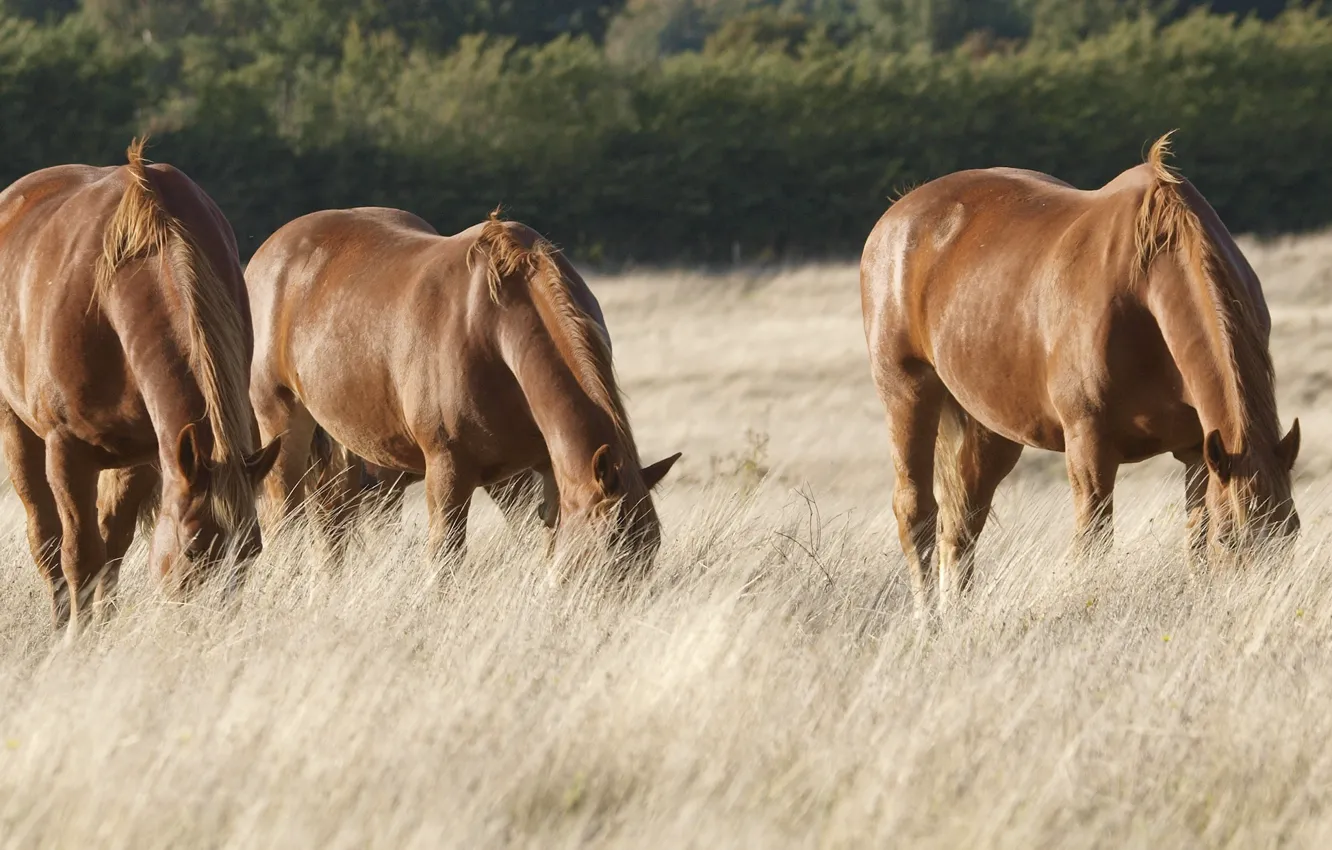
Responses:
[465,359]
[124,354]
[1004,308]
[340,484]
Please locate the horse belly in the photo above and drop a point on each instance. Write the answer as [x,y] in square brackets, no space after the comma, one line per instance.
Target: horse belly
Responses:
[1002,384]
[357,399]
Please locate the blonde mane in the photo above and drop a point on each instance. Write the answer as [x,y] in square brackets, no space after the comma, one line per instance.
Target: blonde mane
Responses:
[584,343]
[1166,222]
[141,227]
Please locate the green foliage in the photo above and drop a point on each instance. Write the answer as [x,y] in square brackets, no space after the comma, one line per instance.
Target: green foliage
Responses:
[42,11]
[316,27]
[761,29]
[901,24]
[775,141]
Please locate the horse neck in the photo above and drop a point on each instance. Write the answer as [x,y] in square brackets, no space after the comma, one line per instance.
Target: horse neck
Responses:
[1209,327]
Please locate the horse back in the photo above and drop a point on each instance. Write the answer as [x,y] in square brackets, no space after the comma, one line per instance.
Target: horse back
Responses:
[52,219]
[998,242]
[381,273]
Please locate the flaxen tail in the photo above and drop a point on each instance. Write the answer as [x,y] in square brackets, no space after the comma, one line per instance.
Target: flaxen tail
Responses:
[1165,221]
[949,489]
[334,468]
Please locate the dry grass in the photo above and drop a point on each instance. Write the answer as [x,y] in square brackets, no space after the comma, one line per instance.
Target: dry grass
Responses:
[767,688]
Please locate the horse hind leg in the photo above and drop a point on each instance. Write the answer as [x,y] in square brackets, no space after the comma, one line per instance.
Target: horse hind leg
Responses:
[387,490]
[25,456]
[970,463]
[338,485]
[913,395]
[73,479]
[1091,471]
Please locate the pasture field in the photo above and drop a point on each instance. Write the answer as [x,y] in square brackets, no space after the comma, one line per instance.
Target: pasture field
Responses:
[766,687]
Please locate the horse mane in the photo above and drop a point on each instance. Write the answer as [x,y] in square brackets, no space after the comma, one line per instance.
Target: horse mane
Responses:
[141,227]
[1167,221]
[580,339]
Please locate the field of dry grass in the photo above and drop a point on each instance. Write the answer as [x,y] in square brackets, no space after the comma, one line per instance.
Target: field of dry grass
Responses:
[767,687]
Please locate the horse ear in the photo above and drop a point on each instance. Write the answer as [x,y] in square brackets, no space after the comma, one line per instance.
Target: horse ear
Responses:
[188,460]
[1290,445]
[261,462]
[607,471]
[1218,459]
[653,474]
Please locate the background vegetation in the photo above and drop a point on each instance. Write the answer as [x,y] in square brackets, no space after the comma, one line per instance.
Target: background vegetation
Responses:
[670,130]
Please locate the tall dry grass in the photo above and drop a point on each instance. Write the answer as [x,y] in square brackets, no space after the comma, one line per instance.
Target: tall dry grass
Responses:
[766,687]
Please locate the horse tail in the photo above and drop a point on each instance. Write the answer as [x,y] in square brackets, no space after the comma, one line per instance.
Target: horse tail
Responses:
[1164,221]
[949,490]
[140,226]
[321,457]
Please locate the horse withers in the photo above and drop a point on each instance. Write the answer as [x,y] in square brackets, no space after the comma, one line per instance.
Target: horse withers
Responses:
[124,355]
[1004,308]
[466,360]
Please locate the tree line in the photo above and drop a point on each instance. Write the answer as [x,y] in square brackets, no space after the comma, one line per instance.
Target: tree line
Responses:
[670,130]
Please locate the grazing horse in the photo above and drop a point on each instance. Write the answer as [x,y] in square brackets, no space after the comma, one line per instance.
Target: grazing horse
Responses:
[465,359]
[339,484]
[124,354]
[1004,308]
